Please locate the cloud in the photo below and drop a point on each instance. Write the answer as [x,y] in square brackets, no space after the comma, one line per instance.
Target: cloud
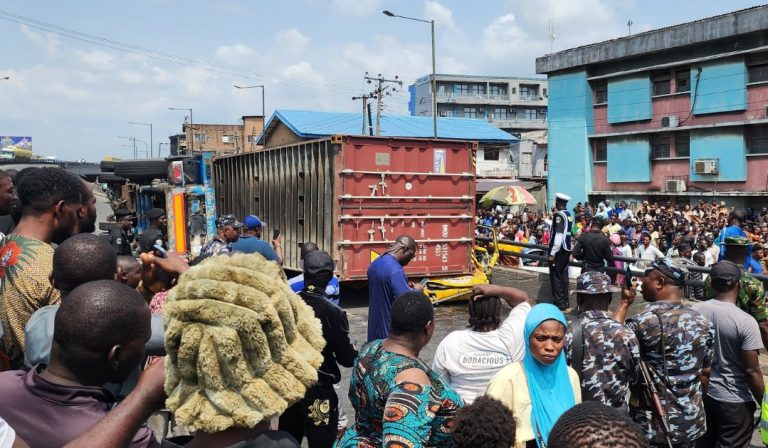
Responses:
[358,8]
[49,41]
[292,40]
[442,15]
[503,37]
[302,71]
[235,54]
[96,59]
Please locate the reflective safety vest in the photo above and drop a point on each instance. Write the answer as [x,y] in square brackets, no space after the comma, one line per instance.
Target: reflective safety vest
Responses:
[764,418]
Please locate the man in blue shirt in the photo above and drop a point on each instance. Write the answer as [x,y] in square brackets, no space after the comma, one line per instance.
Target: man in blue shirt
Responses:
[736,220]
[250,241]
[297,283]
[387,281]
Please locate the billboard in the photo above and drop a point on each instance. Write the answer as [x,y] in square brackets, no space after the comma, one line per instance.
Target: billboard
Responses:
[15,146]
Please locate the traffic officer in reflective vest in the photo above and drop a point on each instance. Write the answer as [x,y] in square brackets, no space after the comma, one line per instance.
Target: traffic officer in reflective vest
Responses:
[155,233]
[120,236]
[560,252]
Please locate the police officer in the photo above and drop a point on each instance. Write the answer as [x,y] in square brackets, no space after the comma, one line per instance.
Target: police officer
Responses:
[120,236]
[155,233]
[604,353]
[560,251]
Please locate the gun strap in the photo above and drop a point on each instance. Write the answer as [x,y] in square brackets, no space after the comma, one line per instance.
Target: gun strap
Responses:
[577,361]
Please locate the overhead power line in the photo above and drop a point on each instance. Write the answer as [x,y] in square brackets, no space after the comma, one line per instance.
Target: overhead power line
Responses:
[239,72]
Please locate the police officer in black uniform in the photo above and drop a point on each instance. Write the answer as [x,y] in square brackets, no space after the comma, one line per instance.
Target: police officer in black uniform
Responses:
[120,236]
[155,233]
[560,251]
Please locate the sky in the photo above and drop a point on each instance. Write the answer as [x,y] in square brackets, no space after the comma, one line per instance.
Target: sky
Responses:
[80,71]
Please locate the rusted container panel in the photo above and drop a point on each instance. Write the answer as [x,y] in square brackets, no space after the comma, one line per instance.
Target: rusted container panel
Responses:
[354,195]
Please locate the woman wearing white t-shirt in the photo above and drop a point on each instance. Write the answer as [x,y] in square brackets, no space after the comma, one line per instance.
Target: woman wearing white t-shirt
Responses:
[468,359]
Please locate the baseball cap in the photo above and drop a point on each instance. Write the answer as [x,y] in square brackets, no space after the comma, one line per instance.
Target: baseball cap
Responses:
[737,241]
[228,220]
[598,221]
[155,213]
[594,282]
[725,273]
[666,266]
[253,222]
[316,262]
[123,212]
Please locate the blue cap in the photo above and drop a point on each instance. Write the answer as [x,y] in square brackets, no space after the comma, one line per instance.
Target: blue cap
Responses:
[253,222]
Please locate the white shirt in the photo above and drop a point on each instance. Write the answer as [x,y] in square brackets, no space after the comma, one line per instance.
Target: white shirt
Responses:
[647,255]
[7,435]
[469,359]
[709,260]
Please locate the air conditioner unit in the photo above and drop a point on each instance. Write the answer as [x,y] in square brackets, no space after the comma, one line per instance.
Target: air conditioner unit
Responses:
[705,166]
[676,185]
[671,121]
[443,114]
[490,116]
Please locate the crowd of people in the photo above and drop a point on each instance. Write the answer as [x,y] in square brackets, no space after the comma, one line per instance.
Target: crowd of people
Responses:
[95,340]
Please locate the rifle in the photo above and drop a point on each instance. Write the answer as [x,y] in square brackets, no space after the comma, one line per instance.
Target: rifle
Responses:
[652,397]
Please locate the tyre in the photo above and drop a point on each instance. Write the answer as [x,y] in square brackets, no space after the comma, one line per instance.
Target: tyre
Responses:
[134,169]
[110,178]
[107,166]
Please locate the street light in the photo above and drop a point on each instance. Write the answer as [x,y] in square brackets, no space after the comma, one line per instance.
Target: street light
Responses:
[160,148]
[151,138]
[263,108]
[434,75]
[192,142]
[133,139]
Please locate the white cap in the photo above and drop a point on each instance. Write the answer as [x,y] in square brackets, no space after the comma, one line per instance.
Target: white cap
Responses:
[562,197]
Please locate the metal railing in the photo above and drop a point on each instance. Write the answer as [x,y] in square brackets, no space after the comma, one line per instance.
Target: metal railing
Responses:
[610,269]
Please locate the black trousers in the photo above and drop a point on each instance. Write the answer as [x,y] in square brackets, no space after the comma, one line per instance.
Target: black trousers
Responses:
[728,424]
[558,279]
[315,416]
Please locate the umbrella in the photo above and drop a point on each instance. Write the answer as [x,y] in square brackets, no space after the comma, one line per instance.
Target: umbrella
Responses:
[507,195]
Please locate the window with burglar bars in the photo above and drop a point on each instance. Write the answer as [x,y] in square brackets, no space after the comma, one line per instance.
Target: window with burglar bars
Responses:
[600,149]
[660,146]
[757,139]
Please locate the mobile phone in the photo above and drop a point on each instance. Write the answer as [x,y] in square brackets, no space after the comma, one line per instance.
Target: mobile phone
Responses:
[628,278]
[160,252]
[275,234]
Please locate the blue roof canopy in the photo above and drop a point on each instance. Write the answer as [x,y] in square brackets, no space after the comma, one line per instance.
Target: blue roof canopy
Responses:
[316,124]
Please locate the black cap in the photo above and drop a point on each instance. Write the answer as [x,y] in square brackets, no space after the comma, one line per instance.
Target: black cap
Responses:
[121,212]
[317,262]
[598,221]
[155,213]
[725,273]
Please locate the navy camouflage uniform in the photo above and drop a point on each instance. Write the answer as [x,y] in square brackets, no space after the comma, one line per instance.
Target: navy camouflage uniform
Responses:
[688,341]
[217,246]
[611,358]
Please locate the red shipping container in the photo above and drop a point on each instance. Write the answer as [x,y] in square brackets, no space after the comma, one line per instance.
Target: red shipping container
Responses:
[353,195]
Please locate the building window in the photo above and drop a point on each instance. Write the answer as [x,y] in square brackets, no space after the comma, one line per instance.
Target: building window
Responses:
[682,144]
[683,80]
[601,92]
[514,90]
[500,113]
[529,91]
[527,113]
[543,113]
[497,90]
[228,139]
[661,84]
[252,138]
[600,148]
[477,89]
[660,146]
[758,67]
[491,154]
[757,139]
[462,89]
[201,138]
[470,112]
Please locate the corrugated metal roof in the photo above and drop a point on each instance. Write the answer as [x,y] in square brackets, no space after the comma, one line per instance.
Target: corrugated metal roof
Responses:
[316,124]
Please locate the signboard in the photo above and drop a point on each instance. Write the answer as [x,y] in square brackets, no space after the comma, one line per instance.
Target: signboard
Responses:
[15,147]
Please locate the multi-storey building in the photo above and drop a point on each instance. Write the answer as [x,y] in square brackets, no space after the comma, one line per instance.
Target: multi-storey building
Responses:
[514,105]
[679,113]
[219,138]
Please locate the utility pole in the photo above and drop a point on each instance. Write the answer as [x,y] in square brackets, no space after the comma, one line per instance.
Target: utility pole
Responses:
[383,88]
[365,97]
[370,120]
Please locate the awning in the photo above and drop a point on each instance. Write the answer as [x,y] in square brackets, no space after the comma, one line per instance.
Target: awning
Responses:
[485,185]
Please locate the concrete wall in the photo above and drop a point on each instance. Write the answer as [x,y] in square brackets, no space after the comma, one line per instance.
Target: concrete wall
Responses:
[570,120]
[629,159]
[281,135]
[504,167]
[629,99]
[720,87]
